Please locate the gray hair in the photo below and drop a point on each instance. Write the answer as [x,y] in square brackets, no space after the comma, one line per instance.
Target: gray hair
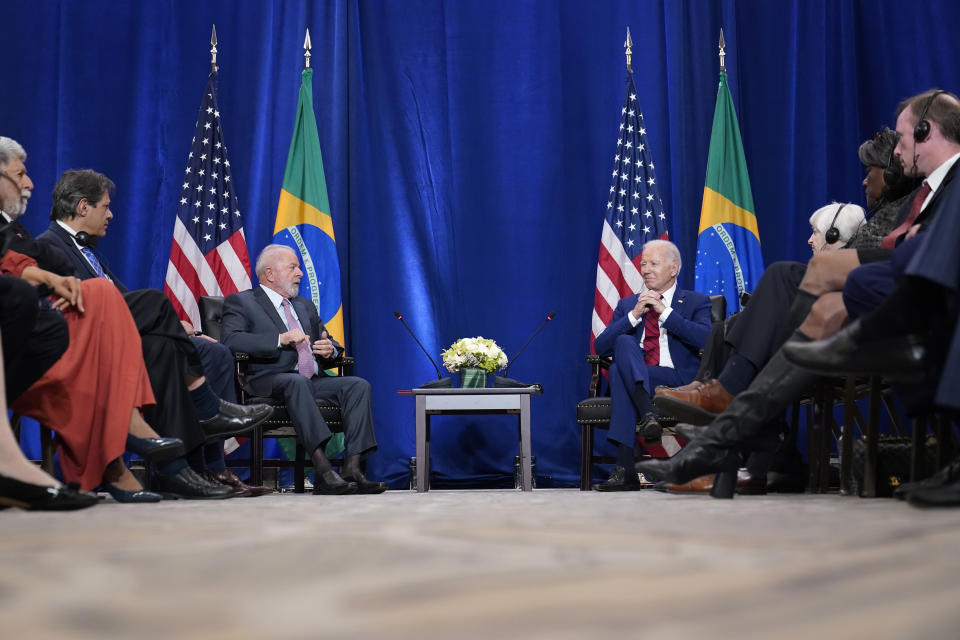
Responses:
[266,257]
[667,246]
[10,150]
[849,218]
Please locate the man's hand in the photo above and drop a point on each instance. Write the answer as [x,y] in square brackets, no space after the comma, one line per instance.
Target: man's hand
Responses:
[914,230]
[67,287]
[648,300]
[324,346]
[193,333]
[294,336]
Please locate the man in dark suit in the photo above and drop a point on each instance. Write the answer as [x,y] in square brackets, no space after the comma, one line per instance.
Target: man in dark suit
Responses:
[187,407]
[289,347]
[655,338]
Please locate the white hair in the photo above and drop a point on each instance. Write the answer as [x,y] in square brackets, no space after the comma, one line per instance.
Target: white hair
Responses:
[849,219]
[10,150]
[265,259]
[667,246]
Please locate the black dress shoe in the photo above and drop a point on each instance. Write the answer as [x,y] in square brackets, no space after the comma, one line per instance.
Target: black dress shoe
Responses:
[900,358]
[619,480]
[132,497]
[329,483]
[947,495]
[155,449]
[650,429]
[190,485]
[947,475]
[690,432]
[693,461]
[33,497]
[235,420]
[364,485]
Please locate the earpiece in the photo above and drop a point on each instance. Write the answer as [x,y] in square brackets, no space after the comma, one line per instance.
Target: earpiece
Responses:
[922,128]
[833,234]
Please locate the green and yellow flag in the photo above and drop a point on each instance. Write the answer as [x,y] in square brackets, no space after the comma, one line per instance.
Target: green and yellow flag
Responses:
[729,259]
[304,221]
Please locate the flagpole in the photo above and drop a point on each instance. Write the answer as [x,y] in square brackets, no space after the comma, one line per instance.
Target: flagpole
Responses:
[213,50]
[723,54]
[306,50]
[628,45]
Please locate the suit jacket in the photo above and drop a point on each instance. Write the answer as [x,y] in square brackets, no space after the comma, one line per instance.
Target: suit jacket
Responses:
[252,325]
[687,327]
[59,238]
[47,257]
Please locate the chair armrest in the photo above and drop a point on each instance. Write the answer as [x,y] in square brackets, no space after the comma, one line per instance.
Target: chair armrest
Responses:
[597,363]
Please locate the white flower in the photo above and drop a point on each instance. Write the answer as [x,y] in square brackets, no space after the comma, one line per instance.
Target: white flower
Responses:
[479,352]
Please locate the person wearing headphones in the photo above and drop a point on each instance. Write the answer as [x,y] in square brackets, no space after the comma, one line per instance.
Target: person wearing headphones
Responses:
[834,225]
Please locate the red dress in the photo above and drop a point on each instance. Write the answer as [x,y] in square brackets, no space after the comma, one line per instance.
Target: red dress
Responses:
[88,395]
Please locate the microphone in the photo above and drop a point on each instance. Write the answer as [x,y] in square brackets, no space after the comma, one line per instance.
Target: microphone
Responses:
[505,382]
[433,384]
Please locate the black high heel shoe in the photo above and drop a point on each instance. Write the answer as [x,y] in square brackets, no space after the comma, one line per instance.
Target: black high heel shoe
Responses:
[155,449]
[33,497]
[127,497]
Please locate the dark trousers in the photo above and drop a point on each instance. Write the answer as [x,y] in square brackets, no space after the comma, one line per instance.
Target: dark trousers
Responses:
[627,373]
[350,393]
[34,336]
[169,355]
[761,327]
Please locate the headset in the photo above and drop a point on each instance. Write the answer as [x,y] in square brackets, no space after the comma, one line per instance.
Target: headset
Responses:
[922,128]
[893,172]
[833,234]
[84,239]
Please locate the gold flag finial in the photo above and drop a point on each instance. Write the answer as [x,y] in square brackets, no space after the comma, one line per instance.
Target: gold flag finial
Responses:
[723,53]
[306,50]
[213,50]
[628,45]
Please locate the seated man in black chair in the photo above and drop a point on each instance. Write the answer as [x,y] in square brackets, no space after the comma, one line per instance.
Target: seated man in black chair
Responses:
[289,347]
[655,338]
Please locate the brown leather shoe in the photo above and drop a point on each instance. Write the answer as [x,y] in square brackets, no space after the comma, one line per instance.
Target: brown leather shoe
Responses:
[696,407]
[747,484]
[230,479]
[693,386]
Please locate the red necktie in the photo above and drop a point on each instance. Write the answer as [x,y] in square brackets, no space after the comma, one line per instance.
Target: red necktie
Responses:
[651,337]
[890,240]
[304,355]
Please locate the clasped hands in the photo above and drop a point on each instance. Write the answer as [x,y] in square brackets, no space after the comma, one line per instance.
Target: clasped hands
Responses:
[648,300]
[322,347]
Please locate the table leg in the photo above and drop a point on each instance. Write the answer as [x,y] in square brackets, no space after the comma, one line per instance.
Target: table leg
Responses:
[423,459]
[526,482]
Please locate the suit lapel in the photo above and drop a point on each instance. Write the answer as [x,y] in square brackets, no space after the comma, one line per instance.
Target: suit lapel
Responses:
[303,315]
[931,206]
[261,297]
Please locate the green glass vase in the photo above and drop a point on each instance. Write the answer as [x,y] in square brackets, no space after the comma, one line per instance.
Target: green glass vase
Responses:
[471,378]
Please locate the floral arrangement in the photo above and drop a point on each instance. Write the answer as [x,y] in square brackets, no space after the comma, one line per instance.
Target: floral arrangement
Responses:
[478,353]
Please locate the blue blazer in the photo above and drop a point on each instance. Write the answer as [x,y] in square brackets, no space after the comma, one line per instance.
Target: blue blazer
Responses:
[687,327]
[252,325]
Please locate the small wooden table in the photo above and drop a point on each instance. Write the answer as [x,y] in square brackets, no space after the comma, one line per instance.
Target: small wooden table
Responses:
[447,401]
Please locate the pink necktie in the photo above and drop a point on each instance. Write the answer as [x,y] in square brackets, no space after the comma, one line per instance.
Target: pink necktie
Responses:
[304,355]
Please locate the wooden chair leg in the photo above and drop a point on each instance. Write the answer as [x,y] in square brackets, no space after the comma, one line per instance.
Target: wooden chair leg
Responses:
[870,456]
[586,454]
[256,457]
[48,448]
[917,448]
[299,468]
[846,451]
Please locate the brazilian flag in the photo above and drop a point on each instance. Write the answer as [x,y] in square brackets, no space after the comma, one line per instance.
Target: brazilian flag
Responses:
[304,223]
[729,260]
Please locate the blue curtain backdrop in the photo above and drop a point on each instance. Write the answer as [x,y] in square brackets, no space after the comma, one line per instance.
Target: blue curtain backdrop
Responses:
[468,146]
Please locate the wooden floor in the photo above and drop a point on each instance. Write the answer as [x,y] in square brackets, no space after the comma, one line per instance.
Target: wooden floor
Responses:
[553,563]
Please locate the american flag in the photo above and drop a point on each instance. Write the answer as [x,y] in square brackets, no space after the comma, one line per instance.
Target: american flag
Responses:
[634,215]
[209,255]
